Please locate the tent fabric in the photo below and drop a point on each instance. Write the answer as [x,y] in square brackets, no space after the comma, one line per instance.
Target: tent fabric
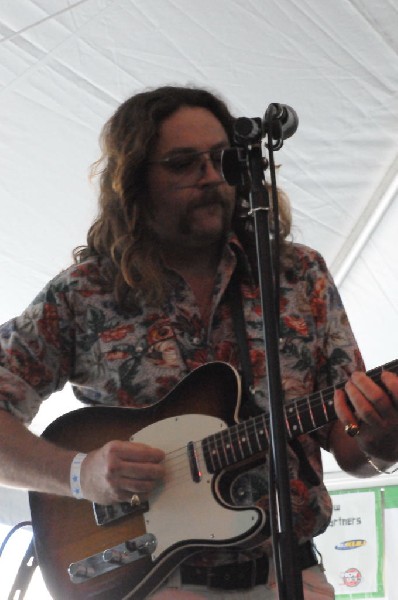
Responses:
[65,66]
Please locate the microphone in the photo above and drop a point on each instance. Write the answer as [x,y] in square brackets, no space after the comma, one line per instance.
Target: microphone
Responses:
[280,121]
[285,116]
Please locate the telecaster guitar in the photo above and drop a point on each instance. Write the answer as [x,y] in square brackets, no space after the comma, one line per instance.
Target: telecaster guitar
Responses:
[89,552]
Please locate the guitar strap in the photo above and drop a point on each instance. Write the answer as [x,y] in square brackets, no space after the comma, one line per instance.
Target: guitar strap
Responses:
[249,406]
[25,573]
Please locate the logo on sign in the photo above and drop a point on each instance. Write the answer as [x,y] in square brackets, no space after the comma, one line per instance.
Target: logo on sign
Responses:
[352,577]
[350,545]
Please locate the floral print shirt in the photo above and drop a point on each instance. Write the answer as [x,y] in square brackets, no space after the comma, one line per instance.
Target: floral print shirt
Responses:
[75,331]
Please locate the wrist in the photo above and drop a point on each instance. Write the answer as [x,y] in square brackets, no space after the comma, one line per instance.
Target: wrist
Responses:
[75,470]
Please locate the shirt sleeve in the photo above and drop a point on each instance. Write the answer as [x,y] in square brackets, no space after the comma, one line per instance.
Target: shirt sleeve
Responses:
[36,352]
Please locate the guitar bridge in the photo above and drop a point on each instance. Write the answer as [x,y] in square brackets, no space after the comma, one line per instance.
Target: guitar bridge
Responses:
[112,558]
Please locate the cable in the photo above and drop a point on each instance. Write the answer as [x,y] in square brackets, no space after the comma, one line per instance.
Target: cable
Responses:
[11,533]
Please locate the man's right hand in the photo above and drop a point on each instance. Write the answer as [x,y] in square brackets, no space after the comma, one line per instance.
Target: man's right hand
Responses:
[117,470]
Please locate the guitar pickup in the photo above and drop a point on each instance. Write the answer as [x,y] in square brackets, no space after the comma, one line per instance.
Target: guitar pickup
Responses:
[196,473]
[105,514]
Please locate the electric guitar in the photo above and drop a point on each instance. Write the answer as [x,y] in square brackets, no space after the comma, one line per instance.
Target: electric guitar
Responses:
[92,552]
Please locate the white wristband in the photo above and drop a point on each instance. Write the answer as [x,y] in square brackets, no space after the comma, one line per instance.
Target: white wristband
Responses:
[75,486]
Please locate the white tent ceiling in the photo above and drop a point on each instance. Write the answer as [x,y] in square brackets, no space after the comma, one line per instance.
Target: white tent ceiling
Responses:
[65,65]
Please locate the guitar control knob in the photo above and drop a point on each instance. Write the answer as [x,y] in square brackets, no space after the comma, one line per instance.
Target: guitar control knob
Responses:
[80,571]
[142,547]
[113,556]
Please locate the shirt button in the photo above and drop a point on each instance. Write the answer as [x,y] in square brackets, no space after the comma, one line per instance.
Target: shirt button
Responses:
[196,341]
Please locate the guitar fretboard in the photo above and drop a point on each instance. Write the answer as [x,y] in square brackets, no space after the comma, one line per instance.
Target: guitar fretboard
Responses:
[244,440]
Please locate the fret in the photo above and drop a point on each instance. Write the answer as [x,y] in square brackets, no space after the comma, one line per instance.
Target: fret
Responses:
[230,448]
[220,448]
[307,418]
[213,463]
[208,456]
[254,436]
[327,405]
[226,443]
[265,431]
[261,425]
[311,413]
[225,447]
[292,420]
[241,441]
[288,410]
[325,412]
[299,421]
[302,415]
[247,438]
[257,433]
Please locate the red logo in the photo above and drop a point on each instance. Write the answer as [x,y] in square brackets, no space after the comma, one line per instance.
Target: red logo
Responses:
[352,577]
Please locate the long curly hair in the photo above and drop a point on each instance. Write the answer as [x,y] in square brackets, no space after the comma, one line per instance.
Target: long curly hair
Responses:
[121,232]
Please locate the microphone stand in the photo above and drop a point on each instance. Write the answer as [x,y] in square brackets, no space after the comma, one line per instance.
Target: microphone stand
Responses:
[289,576]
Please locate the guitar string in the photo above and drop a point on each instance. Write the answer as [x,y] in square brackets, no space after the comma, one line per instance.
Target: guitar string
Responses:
[221,452]
[238,433]
[301,407]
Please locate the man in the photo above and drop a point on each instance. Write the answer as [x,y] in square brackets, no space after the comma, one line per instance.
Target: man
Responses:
[148,301]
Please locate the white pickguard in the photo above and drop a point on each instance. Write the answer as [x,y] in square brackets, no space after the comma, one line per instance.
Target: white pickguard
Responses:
[182,509]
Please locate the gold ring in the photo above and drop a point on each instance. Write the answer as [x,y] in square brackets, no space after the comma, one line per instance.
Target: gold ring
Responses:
[352,429]
[135,500]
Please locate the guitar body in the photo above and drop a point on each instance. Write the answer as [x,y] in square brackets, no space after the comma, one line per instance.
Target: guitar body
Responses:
[186,514]
[134,549]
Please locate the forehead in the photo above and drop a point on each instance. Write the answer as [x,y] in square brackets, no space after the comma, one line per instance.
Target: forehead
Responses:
[190,127]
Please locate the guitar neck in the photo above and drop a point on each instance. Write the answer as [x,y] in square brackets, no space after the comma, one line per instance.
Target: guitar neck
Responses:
[243,440]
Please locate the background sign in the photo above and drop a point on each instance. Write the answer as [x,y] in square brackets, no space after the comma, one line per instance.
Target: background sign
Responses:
[352,546]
